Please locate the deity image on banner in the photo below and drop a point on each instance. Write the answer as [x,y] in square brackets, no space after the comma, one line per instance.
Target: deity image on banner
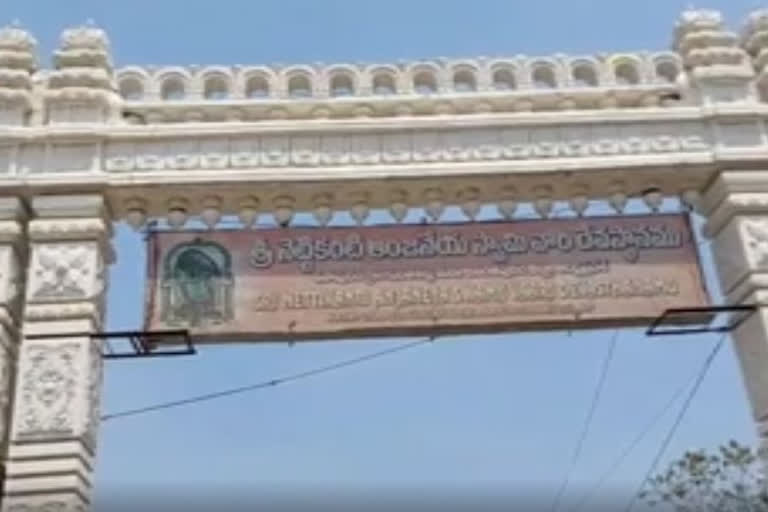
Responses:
[197,285]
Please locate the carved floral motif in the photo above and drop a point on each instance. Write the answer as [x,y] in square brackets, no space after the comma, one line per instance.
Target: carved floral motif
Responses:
[424,147]
[64,271]
[756,236]
[48,390]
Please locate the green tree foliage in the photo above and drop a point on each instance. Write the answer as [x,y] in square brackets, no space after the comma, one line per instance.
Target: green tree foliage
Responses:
[730,480]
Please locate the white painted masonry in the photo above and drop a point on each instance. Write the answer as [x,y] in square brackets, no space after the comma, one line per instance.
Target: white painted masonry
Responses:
[83,145]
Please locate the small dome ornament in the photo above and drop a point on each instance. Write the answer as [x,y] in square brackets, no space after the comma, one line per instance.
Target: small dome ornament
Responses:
[15,38]
[700,19]
[756,21]
[697,20]
[85,37]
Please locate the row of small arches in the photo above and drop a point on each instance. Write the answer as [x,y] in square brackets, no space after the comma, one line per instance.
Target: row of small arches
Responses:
[217,84]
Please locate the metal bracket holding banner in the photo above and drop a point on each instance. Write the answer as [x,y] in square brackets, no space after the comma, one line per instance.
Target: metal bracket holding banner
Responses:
[136,344]
[700,320]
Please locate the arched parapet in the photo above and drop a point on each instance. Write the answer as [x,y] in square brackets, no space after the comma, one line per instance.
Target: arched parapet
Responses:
[505,74]
[584,72]
[172,84]
[299,81]
[215,82]
[545,73]
[466,76]
[553,83]
[134,83]
[385,80]
[343,80]
[667,67]
[625,69]
[256,82]
[424,77]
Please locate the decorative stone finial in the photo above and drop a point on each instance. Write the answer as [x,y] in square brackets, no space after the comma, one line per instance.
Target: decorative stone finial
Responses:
[756,21]
[711,53]
[754,37]
[700,19]
[85,37]
[15,38]
[17,63]
[83,75]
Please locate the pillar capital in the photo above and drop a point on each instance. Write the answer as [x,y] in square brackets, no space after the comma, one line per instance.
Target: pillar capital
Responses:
[69,206]
[734,193]
[72,218]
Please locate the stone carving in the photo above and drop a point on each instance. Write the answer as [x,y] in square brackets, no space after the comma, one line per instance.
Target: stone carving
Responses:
[197,284]
[64,272]
[756,232]
[57,311]
[77,229]
[95,379]
[48,390]
[423,147]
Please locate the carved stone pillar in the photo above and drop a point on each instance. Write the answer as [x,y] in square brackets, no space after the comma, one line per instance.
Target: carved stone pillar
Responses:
[57,394]
[12,263]
[737,206]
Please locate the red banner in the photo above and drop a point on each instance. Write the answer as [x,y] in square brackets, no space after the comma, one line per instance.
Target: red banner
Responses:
[310,283]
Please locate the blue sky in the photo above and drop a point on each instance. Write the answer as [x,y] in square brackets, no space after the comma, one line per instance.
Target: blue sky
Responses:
[468,412]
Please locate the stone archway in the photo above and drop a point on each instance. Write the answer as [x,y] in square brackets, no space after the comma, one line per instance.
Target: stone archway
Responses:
[75,156]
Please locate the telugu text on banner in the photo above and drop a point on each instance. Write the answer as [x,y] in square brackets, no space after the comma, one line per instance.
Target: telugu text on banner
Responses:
[330,283]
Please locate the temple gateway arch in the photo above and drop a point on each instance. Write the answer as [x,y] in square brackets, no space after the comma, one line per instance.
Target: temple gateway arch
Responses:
[84,145]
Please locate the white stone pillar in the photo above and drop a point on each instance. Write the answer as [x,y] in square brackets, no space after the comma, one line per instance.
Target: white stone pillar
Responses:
[737,207]
[58,386]
[12,263]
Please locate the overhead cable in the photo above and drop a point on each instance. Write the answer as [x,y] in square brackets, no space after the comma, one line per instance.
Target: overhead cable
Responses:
[268,383]
[588,421]
[668,439]
[637,440]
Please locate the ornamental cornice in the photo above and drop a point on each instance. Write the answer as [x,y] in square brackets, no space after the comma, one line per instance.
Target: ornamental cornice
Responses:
[64,311]
[83,94]
[69,206]
[15,79]
[80,77]
[99,132]
[19,96]
[68,229]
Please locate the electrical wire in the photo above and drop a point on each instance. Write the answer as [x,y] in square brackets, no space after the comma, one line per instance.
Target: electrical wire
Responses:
[267,383]
[678,421]
[637,440]
[588,421]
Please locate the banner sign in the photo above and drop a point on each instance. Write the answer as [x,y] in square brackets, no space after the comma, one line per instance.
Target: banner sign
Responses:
[339,282]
